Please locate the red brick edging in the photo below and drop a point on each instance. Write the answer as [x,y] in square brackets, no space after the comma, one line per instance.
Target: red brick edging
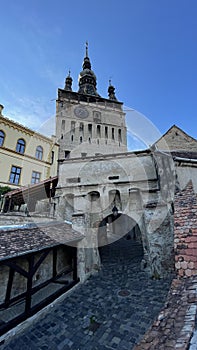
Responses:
[175,324]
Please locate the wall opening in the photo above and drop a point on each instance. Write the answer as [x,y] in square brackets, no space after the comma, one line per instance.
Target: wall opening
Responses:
[119,237]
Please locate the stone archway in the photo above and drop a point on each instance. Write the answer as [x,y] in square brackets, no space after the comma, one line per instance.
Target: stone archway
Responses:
[119,237]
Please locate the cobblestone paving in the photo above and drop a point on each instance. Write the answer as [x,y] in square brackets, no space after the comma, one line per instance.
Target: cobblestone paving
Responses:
[94,316]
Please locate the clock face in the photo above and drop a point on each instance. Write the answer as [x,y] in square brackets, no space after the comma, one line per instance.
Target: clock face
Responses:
[81,112]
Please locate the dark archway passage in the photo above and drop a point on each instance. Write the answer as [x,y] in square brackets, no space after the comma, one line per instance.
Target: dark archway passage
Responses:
[119,240]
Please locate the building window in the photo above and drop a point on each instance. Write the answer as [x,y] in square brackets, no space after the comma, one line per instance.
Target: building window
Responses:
[81,139]
[112,134]
[106,132]
[20,146]
[63,125]
[2,137]
[15,175]
[52,157]
[73,126]
[98,131]
[66,154]
[35,177]
[119,135]
[90,129]
[39,152]
[81,127]
[72,138]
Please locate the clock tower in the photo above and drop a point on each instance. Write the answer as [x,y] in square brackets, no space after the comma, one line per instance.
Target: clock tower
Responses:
[86,123]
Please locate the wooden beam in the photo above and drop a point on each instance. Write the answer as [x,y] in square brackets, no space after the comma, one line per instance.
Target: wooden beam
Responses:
[17,268]
[9,286]
[39,262]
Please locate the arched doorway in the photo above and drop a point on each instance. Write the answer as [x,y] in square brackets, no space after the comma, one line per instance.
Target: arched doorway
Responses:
[119,238]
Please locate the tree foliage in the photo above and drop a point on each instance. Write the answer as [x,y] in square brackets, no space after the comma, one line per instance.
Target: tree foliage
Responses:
[4,189]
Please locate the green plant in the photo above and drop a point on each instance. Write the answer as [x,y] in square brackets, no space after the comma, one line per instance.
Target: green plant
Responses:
[4,190]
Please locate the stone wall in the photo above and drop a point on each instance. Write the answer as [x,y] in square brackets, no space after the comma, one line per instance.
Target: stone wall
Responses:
[177,139]
[185,232]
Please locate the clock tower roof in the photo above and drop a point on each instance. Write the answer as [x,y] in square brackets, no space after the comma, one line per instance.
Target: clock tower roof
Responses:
[87,78]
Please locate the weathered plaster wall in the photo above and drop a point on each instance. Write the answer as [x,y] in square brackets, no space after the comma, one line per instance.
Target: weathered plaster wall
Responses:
[140,185]
[185,232]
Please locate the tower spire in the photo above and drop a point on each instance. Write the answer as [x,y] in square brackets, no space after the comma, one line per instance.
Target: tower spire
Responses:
[86,48]
[87,78]
[111,91]
[68,82]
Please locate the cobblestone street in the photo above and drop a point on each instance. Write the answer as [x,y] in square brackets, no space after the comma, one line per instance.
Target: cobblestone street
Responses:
[111,310]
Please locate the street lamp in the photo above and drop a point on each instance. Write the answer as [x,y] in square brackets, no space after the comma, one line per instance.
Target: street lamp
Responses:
[115,211]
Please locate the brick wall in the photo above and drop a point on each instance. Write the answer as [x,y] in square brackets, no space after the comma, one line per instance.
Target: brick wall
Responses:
[185,232]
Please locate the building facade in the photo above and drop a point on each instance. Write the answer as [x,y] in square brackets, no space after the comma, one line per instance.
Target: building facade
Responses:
[26,157]
[86,123]
[106,192]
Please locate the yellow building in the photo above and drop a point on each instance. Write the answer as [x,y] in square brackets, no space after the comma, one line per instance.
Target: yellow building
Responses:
[26,157]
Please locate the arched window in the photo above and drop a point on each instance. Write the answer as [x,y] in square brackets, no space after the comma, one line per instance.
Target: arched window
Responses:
[20,146]
[2,137]
[80,139]
[39,152]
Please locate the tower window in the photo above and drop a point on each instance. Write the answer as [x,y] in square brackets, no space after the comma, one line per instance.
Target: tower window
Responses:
[106,132]
[39,152]
[81,127]
[98,130]
[112,134]
[119,135]
[73,126]
[89,140]
[81,139]
[72,138]
[52,156]
[20,146]
[90,129]
[63,125]
[2,137]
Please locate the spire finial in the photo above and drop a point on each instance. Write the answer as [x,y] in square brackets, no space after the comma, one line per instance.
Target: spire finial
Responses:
[111,91]
[68,82]
[86,48]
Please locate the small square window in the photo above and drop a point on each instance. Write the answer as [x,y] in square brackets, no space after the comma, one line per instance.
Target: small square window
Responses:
[15,175]
[35,177]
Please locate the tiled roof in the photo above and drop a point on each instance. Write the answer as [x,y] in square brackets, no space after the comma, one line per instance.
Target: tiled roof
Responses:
[20,241]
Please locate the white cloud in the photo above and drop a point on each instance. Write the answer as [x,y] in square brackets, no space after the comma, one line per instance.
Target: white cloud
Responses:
[34,113]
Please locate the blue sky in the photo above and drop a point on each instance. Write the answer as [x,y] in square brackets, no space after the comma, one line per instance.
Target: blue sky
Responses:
[147,47]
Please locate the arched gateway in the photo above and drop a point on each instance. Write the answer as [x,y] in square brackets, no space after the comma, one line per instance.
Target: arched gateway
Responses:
[119,236]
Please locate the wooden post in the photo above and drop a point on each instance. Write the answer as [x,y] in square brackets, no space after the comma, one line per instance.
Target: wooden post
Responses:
[29,285]
[9,286]
[75,264]
[54,262]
